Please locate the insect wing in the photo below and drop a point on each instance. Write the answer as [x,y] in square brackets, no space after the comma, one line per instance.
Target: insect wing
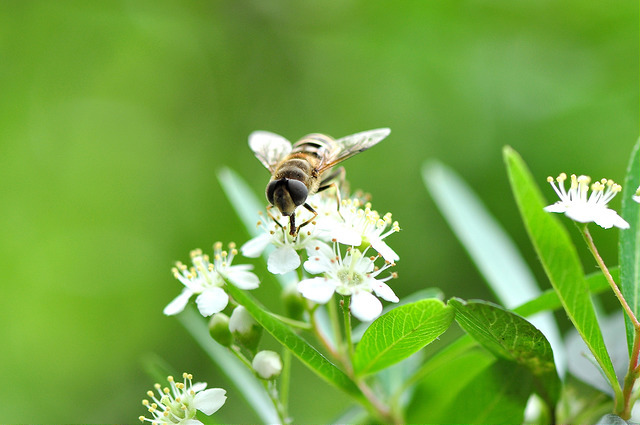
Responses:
[269,148]
[348,146]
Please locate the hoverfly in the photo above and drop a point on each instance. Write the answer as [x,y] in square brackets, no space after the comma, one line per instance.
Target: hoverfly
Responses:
[302,169]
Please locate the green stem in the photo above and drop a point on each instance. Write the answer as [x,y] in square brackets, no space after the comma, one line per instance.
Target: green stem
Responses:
[293,323]
[321,336]
[285,380]
[607,275]
[622,404]
[335,325]
[236,351]
[346,301]
[272,390]
[630,379]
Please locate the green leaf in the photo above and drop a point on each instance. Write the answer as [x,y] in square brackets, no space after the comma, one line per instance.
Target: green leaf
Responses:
[513,338]
[399,333]
[452,370]
[245,382]
[549,300]
[497,395]
[300,348]
[629,245]
[560,261]
[488,245]
[421,294]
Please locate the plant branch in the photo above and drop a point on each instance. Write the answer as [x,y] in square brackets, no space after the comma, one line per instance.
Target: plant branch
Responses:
[607,275]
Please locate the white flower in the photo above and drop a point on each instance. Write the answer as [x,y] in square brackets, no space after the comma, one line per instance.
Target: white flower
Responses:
[359,226]
[178,404]
[354,275]
[636,197]
[267,364]
[284,258]
[575,204]
[206,280]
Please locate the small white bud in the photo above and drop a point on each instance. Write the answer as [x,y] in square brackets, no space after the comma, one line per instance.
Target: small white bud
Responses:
[244,328]
[267,364]
[241,321]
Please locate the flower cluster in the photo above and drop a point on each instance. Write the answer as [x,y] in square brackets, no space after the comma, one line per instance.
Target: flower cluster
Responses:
[576,204]
[353,274]
[206,279]
[351,223]
[179,403]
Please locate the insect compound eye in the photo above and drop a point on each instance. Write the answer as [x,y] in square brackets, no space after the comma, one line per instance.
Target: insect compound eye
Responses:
[271,188]
[298,191]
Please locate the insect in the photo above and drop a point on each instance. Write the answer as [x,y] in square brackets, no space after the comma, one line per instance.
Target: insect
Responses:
[304,168]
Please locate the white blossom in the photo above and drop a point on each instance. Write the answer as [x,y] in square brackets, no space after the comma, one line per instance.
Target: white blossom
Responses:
[636,197]
[179,403]
[360,225]
[285,257]
[576,204]
[353,224]
[206,280]
[354,275]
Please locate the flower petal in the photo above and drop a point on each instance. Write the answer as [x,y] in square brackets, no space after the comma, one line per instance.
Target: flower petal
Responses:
[209,401]
[582,213]
[558,207]
[199,386]
[346,235]
[365,306]
[383,291]
[317,289]
[609,218]
[383,249]
[212,301]
[283,260]
[254,247]
[243,279]
[179,303]
[320,256]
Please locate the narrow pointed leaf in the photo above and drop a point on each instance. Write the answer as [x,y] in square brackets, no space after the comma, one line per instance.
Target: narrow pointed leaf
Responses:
[300,348]
[399,333]
[513,338]
[629,255]
[559,259]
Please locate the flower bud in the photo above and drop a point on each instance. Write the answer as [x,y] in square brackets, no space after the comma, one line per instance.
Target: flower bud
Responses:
[219,329]
[293,301]
[267,364]
[244,328]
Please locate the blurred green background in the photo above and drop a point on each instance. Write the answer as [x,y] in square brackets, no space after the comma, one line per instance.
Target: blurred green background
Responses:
[115,118]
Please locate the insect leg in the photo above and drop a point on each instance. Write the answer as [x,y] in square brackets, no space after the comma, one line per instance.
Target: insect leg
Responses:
[315,214]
